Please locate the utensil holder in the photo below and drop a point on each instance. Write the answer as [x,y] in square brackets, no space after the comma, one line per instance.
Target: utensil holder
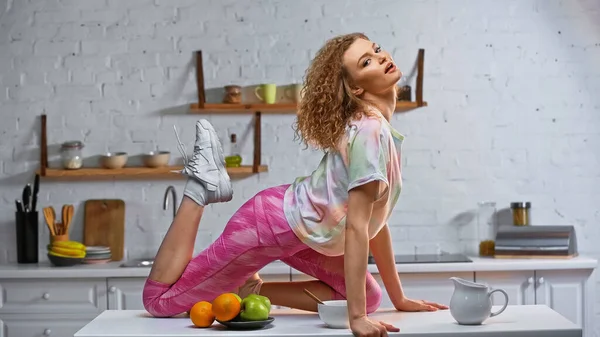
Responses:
[27,237]
[63,237]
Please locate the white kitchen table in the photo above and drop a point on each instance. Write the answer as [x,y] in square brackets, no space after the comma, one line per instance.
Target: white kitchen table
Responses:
[515,321]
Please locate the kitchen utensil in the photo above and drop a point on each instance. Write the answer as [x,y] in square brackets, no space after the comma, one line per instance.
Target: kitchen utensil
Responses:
[104,225]
[66,218]
[36,190]
[237,324]
[19,206]
[313,296]
[70,211]
[334,314]
[27,198]
[50,219]
[471,303]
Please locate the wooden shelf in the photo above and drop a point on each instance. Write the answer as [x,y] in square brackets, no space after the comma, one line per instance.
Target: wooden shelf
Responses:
[277,108]
[136,172]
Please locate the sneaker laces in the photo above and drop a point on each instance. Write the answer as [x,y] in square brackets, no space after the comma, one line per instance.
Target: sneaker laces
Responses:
[187,168]
[182,150]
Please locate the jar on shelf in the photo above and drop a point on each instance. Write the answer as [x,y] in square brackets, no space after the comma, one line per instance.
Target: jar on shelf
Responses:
[486,226]
[71,155]
[233,159]
[520,213]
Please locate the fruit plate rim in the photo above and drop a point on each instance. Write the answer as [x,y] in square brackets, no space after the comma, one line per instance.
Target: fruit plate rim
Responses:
[247,324]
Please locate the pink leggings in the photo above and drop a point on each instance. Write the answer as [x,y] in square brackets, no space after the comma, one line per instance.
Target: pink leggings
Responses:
[256,235]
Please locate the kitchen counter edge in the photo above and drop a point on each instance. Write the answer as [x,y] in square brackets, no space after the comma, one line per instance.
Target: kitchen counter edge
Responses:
[479,264]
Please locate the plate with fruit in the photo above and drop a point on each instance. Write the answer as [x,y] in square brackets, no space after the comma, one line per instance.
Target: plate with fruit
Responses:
[233,312]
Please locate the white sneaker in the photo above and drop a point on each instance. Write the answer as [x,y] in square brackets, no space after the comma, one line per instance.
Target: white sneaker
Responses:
[209,182]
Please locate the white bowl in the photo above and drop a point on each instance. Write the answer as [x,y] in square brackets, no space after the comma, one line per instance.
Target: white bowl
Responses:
[334,314]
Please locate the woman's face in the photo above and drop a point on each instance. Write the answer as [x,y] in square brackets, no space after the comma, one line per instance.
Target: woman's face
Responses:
[370,67]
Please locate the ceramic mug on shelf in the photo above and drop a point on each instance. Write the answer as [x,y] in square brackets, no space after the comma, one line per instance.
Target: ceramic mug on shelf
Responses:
[266,93]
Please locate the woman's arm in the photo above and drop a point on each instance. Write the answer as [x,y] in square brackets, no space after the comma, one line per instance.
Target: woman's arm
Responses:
[360,206]
[382,251]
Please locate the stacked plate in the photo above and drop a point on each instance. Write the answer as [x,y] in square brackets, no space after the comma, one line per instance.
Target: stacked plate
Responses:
[97,254]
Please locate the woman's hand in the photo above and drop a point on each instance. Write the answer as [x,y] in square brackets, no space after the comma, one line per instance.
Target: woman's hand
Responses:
[366,327]
[406,304]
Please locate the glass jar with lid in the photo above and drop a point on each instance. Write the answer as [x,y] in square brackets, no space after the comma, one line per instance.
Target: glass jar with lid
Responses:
[520,213]
[71,155]
[486,226]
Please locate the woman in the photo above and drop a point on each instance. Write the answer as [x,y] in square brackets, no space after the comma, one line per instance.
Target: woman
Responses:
[323,224]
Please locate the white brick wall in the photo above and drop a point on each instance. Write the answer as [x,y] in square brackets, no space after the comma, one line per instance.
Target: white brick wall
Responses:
[512,91]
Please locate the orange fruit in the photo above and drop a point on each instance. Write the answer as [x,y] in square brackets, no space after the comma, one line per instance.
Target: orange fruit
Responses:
[226,306]
[201,314]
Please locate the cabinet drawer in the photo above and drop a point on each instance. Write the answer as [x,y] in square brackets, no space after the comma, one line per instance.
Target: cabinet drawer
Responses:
[79,296]
[41,327]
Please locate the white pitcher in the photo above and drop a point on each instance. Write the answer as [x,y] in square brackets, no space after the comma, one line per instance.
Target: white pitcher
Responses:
[471,303]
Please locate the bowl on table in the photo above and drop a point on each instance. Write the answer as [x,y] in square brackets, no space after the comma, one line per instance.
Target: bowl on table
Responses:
[156,158]
[334,314]
[113,160]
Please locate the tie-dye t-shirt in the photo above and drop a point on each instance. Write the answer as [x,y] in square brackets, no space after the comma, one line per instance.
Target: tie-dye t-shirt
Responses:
[316,205]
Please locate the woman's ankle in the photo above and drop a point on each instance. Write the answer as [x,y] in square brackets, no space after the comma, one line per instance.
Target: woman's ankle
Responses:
[251,286]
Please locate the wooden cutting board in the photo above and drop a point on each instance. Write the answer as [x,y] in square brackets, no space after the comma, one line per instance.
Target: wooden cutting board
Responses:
[104,225]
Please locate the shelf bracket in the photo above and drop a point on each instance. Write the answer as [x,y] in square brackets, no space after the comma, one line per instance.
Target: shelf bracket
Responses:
[420,75]
[43,147]
[200,80]
[257,142]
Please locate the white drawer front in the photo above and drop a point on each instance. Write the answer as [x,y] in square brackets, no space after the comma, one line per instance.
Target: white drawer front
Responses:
[41,327]
[52,296]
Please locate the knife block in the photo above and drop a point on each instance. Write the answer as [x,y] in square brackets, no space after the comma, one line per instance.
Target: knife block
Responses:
[27,237]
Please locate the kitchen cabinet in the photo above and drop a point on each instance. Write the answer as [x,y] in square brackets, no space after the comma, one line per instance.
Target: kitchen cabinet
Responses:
[42,325]
[33,296]
[49,307]
[562,290]
[125,293]
[519,285]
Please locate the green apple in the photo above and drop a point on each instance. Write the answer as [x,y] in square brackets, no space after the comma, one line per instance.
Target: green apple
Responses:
[255,308]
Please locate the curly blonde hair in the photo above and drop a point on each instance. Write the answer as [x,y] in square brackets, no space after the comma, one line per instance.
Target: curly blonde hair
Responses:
[327,103]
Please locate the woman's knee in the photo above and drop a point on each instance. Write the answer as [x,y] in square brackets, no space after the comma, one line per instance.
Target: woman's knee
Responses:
[374,295]
[151,298]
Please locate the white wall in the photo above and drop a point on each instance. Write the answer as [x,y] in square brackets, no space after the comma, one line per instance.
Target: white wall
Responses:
[512,90]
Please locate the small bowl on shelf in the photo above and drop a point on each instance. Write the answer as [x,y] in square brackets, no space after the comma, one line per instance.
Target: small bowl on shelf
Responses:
[63,261]
[156,158]
[113,160]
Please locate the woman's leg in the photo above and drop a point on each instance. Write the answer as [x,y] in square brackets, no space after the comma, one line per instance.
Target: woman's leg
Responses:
[291,294]
[244,247]
[208,182]
[329,270]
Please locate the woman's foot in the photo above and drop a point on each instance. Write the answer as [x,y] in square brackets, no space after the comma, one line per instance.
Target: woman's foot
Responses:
[208,181]
[252,286]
